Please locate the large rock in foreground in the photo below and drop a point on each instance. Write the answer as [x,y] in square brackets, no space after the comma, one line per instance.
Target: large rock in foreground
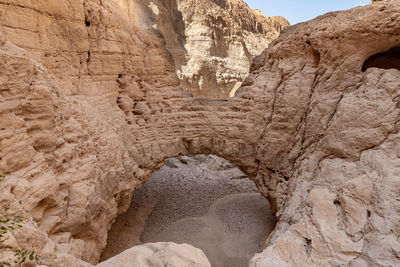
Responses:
[159,254]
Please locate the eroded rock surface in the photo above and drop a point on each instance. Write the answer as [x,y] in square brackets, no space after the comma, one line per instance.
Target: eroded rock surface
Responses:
[91,105]
[331,141]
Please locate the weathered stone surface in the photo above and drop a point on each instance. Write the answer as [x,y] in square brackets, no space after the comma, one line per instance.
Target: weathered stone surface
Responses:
[330,145]
[159,254]
[90,106]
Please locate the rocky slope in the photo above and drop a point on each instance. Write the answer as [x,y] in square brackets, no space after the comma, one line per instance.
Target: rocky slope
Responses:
[90,106]
[213,42]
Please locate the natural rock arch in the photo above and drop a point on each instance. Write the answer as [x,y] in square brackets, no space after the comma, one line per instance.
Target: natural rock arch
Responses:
[320,140]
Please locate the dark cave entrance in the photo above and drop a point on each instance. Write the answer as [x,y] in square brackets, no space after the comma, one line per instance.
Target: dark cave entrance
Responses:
[204,201]
[386,60]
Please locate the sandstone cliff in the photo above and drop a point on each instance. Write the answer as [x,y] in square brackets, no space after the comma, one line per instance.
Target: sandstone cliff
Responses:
[90,106]
[213,42]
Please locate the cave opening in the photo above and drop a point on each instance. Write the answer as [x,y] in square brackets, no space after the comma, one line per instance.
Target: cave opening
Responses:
[204,201]
[386,60]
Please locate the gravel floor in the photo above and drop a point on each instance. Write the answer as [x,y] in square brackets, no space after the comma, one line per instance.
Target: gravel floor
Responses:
[203,201]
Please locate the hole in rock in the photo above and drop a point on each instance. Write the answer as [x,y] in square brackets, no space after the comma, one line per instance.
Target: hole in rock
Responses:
[386,60]
[87,23]
[204,201]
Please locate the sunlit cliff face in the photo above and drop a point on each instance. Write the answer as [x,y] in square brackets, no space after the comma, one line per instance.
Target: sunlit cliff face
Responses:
[211,49]
[135,11]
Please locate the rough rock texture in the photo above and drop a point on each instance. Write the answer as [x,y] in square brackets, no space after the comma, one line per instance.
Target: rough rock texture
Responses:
[90,106]
[329,154]
[159,254]
[213,42]
[70,70]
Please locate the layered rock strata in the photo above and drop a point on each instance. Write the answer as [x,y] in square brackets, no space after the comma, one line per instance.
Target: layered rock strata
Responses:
[90,106]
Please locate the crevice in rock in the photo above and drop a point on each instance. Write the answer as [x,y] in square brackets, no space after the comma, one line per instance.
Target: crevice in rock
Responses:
[308,246]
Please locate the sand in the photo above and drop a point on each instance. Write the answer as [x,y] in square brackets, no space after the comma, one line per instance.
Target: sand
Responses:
[202,201]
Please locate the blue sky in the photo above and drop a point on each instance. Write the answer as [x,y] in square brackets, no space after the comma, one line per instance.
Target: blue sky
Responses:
[298,11]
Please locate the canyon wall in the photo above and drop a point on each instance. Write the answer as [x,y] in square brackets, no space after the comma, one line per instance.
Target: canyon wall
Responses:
[329,153]
[213,42]
[91,105]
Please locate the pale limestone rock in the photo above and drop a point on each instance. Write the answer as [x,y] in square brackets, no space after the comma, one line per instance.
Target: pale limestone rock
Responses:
[90,106]
[339,153]
[159,254]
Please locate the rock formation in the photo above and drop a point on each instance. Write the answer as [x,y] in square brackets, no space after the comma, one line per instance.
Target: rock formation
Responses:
[159,254]
[90,106]
[213,42]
